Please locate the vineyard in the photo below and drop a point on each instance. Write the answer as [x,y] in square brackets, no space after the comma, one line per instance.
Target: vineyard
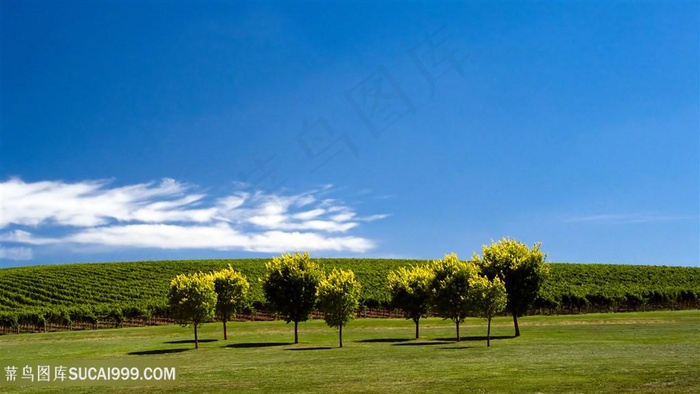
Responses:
[111,294]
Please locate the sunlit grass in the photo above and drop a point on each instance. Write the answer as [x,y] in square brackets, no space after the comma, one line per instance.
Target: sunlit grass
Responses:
[598,353]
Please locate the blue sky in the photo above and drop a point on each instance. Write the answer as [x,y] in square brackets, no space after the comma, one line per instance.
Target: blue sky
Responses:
[153,130]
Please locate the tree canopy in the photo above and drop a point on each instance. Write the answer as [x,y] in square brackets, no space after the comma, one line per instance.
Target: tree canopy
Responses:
[410,289]
[520,268]
[488,298]
[290,287]
[192,300]
[338,299]
[450,287]
[231,289]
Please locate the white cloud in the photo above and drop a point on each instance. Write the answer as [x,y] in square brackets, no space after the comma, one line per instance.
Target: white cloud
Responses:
[170,215]
[343,217]
[24,237]
[16,254]
[625,218]
[91,203]
[307,215]
[219,236]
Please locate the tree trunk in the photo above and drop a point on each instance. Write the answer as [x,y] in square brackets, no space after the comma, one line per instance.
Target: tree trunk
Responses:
[488,334]
[417,327]
[340,335]
[458,338]
[296,332]
[225,334]
[196,343]
[515,323]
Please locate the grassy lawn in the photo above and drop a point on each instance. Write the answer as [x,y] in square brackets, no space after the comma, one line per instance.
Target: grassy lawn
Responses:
[652,352]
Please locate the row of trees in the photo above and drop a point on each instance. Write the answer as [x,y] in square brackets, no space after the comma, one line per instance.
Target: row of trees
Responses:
[197,298]
[453,289]
[294,286]
[507,276]
[90,292]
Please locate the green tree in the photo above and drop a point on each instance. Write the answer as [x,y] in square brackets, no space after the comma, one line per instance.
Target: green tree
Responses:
[290,287]
[488,298]
[520,268]
[192,300]
[338,299]
[410,290]
[231,289]
[450,287]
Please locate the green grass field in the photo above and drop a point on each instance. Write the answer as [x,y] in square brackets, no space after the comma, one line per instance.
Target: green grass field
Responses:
[650,352]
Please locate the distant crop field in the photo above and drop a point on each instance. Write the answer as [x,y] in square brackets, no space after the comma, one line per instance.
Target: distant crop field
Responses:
[94,292]
[649,352]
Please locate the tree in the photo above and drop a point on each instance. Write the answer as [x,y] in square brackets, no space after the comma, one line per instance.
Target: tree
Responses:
[487,298]
[290,287]
[338,299]
[231,289]
[450,288]
[521,269]
[192,300]
[410,291]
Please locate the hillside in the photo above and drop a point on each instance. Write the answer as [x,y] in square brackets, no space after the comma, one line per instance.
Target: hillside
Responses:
[89,291]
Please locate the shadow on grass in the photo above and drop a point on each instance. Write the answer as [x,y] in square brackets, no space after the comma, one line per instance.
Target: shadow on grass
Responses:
[311,348]
[159,351]
[258,344]
[428,343]
[384,340]
[192,341]
[476,338]
[457,347]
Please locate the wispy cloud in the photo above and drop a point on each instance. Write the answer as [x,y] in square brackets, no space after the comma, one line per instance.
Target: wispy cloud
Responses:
[16,253]
[626,218]
[172,215]
[92,203]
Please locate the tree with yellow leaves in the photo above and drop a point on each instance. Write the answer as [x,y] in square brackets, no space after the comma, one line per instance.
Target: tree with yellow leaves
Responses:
[192,300]
[338,299]
[231,289]
[411,292]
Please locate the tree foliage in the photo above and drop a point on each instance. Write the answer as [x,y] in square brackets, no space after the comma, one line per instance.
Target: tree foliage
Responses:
[520,268]
[231,289]
[140,289]
[450,287]
[410,289]
[192,300]
[338,299]
[290,287]
[488,298]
